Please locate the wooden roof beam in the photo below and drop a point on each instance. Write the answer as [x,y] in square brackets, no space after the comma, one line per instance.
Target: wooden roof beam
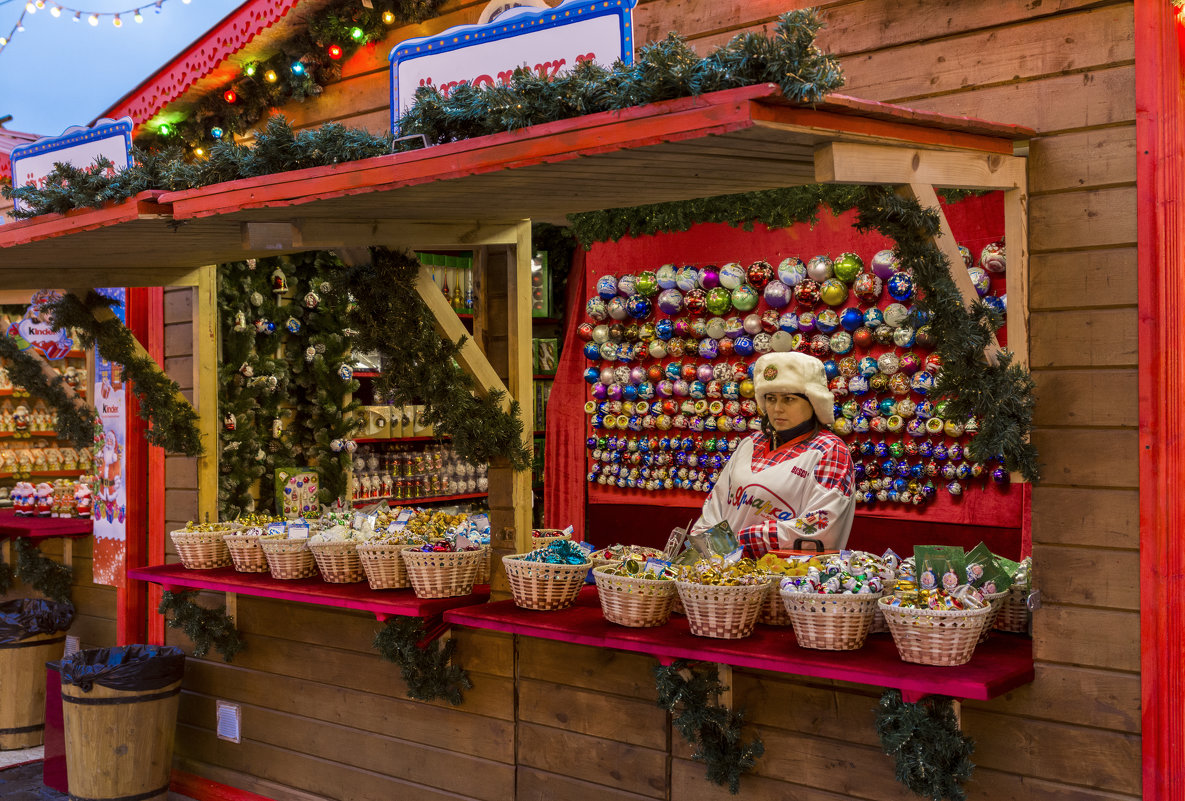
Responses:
[855,163]
[328,234]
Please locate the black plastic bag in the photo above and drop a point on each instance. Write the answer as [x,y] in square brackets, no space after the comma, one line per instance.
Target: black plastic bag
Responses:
[130,667]
[28,617]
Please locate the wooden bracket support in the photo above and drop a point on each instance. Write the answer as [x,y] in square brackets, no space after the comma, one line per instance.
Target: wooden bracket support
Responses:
[724,699]
[855,163]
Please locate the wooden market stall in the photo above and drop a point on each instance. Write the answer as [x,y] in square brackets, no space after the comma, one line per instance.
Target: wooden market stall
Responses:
[322,713]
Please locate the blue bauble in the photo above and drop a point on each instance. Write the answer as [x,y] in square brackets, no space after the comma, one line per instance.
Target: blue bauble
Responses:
[851,319]
[830,369]
[900,286]
[743,345]
[592,351]
[638,307]
[607,287]
[874,317]
[592,374]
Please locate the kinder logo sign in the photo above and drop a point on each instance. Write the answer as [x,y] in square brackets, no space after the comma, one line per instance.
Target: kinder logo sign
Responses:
[548,41]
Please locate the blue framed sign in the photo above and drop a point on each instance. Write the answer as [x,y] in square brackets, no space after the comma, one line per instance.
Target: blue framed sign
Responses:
[77,146]
[550,41]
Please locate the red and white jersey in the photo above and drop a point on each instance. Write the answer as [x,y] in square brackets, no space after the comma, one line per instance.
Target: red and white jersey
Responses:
[800,491]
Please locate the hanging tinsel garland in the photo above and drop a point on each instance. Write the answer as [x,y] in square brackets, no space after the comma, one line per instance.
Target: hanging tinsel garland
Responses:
[687,691]
[933,756]
[76,422]
[173,422]
[419,366]
[662,70]
[43,574]
[426,668]
[1000,395]
[206,628]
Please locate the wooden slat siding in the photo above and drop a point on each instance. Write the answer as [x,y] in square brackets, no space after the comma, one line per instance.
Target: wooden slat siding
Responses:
[592,713]
[1083,338]
[1083,159]
[1074,695]
[1087,576]
[1088,637]
[242,781]
[593,759]
[986,783]
[1092,518]
[538,785]
[1086,397]
[1082,279]
[1076,220]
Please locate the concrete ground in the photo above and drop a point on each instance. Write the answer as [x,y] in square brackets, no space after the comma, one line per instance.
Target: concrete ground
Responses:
[20,778]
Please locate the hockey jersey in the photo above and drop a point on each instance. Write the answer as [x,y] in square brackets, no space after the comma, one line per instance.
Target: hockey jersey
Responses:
[770,498]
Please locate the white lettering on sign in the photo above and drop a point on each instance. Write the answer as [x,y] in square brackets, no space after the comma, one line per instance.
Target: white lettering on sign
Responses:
[548,41]
[78,147]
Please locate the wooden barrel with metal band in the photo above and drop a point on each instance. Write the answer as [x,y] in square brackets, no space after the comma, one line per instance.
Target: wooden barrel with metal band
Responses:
[119,744]
[22,701]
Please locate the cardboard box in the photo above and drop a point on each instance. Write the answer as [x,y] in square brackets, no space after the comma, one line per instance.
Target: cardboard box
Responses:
[376,422]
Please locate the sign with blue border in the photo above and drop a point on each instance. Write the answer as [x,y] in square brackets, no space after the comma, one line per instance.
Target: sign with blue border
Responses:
[77,146]
[550,41]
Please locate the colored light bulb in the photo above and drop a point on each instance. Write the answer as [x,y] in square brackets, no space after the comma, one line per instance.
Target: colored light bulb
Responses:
[335,52]
[197,151]
[229,96]
[139,17]
[356,33]
[117,22]
[388,17]
[297,68]
[250,70]
[165,129]
[93,19]
[56,11]
[270,76]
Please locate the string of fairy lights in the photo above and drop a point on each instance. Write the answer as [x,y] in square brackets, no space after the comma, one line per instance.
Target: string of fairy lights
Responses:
[78,15]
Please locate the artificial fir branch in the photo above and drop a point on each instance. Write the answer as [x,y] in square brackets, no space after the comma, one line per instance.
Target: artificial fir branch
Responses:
[713,731]
[7,577]
[206,628]
[173,422]
[76,422]
[427,670]
[41,573]
[933,756]
[420,365]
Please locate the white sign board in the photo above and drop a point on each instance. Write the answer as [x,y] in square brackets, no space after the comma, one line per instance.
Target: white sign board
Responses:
[550,41]
[78,147]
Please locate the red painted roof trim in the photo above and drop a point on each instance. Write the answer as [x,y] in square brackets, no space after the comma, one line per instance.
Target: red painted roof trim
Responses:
[234,32]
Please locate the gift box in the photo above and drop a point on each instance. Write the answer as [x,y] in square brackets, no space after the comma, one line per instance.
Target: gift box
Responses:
[546,352]
[376,422]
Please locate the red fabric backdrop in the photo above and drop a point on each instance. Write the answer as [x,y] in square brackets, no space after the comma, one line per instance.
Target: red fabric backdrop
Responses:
[617,515]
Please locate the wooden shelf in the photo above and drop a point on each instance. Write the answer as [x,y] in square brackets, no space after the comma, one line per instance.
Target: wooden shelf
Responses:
[422,501]
[35,528]
[371,440]
[382,603]
[544,376]
[1001,664]
[46,474]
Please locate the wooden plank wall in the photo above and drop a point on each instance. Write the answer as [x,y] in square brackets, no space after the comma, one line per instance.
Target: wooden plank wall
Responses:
[323,716]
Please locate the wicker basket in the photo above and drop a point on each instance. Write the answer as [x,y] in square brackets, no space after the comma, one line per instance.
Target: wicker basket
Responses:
[726,613]
[202,550]
[246,553]
[484,567]
[442,574]
[1014,611]
[879,624]
[288,559]
[543,540]
[543,586]
[338,561]
[634,602]
[828,622]
[383,564]
[996,599]
[935,636]
[773,611]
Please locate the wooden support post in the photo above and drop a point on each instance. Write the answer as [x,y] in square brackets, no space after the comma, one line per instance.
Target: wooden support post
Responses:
[521,378]
[1016,241]
[925,195]
[68,552]
[232,607]
[724,699]
[205,388]
[856,163]
[6,553]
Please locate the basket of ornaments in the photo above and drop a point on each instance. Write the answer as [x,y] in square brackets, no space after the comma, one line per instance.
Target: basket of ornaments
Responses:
[547,578]
[443,568]
[636,590]
[723,598]
[619,552]
[833,605]
[201,545]
[243,543]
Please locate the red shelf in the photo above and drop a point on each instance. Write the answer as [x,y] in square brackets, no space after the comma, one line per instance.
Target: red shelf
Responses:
[1001,664]
[420,501]
[382,603]
[370,440]
[366,374]
[36,528]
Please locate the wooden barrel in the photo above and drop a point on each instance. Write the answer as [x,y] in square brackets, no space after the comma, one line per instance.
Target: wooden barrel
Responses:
[22,703]
[119,744]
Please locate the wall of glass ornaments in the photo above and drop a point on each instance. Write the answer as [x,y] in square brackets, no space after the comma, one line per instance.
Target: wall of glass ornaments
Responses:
[672,328]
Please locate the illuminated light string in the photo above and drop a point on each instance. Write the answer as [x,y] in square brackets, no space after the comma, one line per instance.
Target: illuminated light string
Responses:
[93,18]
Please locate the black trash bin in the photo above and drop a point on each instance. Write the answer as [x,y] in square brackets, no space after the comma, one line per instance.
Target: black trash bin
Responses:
[32,632]
[120,712]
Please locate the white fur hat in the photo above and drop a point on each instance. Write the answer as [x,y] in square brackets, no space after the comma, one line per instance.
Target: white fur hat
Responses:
[796,373]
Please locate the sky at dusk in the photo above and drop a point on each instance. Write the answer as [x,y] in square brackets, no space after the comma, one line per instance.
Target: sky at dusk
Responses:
[58,73]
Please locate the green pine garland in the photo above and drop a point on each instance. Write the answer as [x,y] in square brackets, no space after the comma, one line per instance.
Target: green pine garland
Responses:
[41,573]
[933,755]
[662,70]
[428,670]
[999,395]
[173,421]
[419,365]
[7,577]
[205,627]
[714,731]
[75,423]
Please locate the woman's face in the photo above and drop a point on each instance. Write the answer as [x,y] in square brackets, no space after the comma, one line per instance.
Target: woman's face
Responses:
[786,410]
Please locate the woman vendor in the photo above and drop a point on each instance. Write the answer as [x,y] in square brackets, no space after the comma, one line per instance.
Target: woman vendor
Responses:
[792,480]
